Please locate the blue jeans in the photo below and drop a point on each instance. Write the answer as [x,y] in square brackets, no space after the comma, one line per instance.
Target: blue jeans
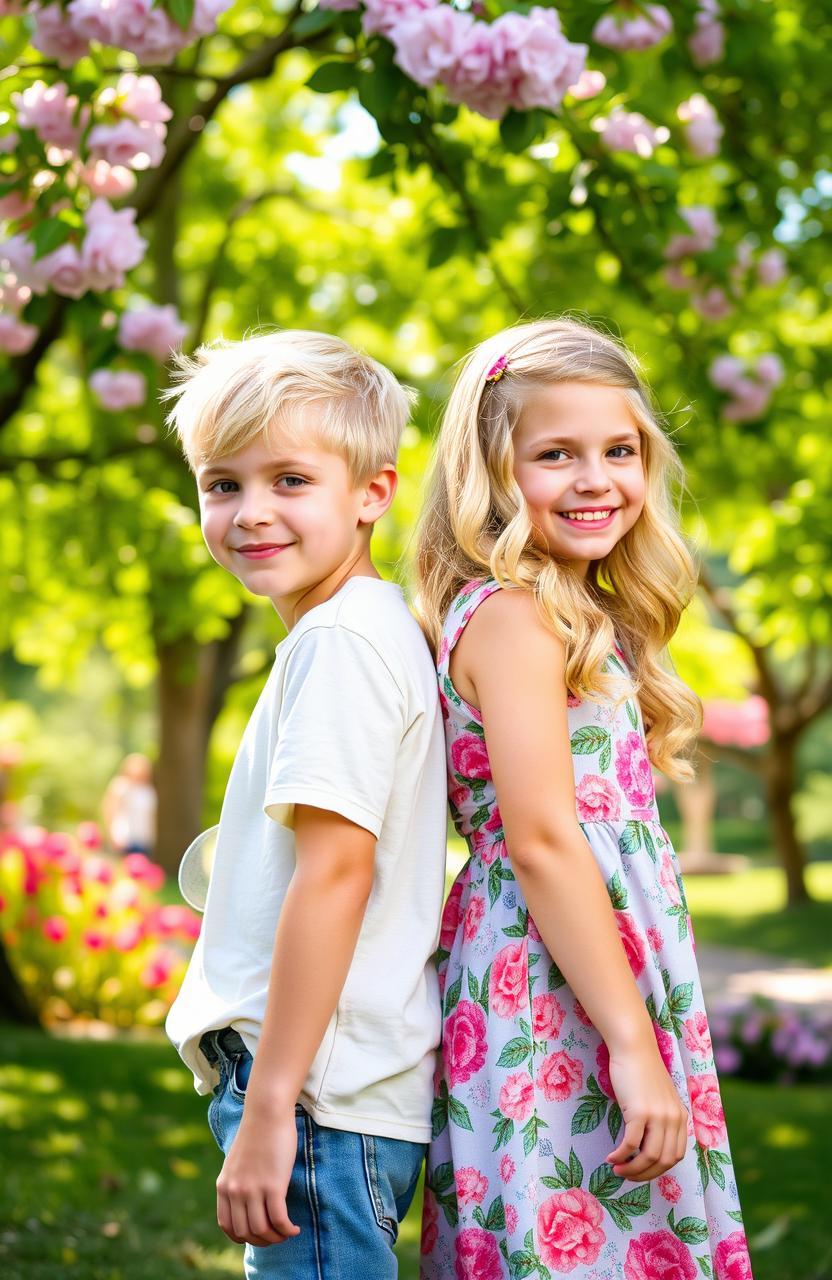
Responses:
[348,1191]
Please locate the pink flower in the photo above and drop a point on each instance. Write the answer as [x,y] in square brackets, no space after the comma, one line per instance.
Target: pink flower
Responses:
[112,244]
[731,1260]
[632,941]
[507,1169]
[139,97]
[704,233]
[560,1076]
[588,85]
[476,1255]
[116,391]
[471,1185]
[724,373]
[697,1035]
[429,41]
[139,867]
[713,304]
[16,337]
[56,37]
[14,206]
[668,881]
[430,1214]
[469,756]
[509,983]
[581,1014]
[632,768]
[128,937]
[669,1188]
[702,128]
[474,913]
[658,1255]
[511,1219]
[106,180]
[464,1041]
[630,131]
[706,1110]
[451,916]
[65,271]
[547,1016]
[597,799]
[666,1044]
[538,50]
[771,268]
[383,16]
[49,111]
[569,1230]
[654,937]
[158,969]
[517,1096]
[642,31]
[707,44]
[17,256]
[129,144]
[769,369]
[94,939]
[89,835]
[55,928]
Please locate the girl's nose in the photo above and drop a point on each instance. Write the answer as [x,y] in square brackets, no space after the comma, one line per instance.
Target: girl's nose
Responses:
[592,477]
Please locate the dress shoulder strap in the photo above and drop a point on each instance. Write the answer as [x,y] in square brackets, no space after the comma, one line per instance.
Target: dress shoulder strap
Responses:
[463,606]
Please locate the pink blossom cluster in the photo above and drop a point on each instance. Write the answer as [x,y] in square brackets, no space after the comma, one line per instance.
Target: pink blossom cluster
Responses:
[702,128]
[52,112]
[630,131]
[623,30]
[737,724]
[135,25]
[709,298]
[135,138]
[117,389]
[156,331]
[772,1040]
[749,384]
[519,60]
[707,44]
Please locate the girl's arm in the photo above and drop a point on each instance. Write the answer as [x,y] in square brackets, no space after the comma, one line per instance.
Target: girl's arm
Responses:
[514,665]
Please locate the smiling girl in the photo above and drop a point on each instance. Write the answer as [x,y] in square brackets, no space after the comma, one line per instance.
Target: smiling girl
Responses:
[576,1067]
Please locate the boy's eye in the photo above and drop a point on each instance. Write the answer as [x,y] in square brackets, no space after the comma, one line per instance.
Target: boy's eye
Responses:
[292,482]
[217,486]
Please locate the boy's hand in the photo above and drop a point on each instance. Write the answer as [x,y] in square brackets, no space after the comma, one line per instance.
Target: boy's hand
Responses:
[251,1189]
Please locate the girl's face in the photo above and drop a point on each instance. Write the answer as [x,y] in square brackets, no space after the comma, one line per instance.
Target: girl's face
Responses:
[577,460]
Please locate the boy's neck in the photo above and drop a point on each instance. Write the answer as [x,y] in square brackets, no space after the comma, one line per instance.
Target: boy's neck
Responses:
[291,610]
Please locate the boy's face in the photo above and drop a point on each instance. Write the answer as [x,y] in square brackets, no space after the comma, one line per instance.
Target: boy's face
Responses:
[289,521]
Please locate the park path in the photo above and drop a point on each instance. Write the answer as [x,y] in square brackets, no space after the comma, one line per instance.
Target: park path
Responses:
[732,972]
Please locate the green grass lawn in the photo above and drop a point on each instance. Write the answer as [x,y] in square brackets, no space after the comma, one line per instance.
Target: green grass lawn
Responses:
[108,1169]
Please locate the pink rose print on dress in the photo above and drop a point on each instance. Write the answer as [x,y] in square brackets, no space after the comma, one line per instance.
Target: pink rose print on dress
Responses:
[667,878]
[477,1255]
[569,1230]
[534,932]
[560,1076]
[654,937]
[511,1219]
[572,700]
[669,1188]
[451,916]
[666,1044]
[602,1060]
[464,1041]
[471,1186]
[582,1015]
[547,1017]
[469,757]
[731,1260]
[632,940]
[706,1110]
[658,1255]
[632,769]
[507,1168]
[697,1035]
[508,988]
[517,1097]
[430,1222]
[474,913]
[597,799]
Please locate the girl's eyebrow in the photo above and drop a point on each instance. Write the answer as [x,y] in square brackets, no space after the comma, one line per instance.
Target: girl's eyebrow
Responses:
[621,437]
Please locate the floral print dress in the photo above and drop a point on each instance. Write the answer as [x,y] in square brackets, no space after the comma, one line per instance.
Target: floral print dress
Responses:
[524,1113]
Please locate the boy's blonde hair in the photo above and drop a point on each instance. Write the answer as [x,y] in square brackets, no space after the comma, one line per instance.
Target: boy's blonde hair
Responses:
[476,523]
[229,393]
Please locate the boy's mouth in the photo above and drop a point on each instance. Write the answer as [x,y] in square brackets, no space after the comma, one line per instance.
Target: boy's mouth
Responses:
[261,550]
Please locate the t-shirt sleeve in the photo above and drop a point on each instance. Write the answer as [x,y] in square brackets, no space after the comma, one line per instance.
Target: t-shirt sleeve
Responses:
[340,726]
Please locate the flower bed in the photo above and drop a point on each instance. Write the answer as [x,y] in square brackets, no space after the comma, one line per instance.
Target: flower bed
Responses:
[87,933]
[760,1039]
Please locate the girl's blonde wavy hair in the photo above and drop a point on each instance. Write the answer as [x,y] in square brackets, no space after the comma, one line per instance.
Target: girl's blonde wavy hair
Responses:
[476,523]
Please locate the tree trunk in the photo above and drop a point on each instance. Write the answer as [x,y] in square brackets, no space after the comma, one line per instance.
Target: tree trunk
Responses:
[696,802]
[14,1003]
[780,785]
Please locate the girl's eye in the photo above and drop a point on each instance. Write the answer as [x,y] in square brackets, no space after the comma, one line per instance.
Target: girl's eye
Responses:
[292,482]
[622,451]
[550,455]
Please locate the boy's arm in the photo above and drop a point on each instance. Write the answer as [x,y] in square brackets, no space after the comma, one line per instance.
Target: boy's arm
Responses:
[319,924]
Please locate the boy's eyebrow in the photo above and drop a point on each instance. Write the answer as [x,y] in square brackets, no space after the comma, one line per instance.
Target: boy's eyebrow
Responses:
[286,464]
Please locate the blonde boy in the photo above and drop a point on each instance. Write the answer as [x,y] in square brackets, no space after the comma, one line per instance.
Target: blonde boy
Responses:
[310,1006]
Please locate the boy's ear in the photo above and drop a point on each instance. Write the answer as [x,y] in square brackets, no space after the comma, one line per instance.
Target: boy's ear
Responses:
[379,492]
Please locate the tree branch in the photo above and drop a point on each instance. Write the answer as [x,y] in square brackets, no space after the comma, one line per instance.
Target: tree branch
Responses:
[768,685]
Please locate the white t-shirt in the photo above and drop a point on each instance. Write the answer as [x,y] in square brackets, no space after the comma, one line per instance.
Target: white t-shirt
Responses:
[348,721]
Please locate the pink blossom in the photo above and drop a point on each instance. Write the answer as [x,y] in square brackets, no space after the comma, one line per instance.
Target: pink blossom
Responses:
[597,799]
[430,1214]
[655,939]
[642,31]
[751,400]
[507,1169]
[429,42]
[724,373]
[658,1255]
[569,1230]
[702,128]
[632,942]
[105,180]
[8,143]
[632,768]
[94,939]
[547,1016]
[546,61]
[706,1110]
[731,1260]
[15,206]
[139,97]
[17,256]
[560,1076]
[511,1219]
[476,1255]
[112,245]
[139,867]
[451,916]
[742,724]
[668,881]
[123,389]
[469,757]
[55,928]
[630,131]
[128,144]
[154,330]
[697,1034]
[384,16]
[704,233]
[581,1014]
[669,1188]
[97,870]
[56,37]
[128,937]
[49,111]
[89,835]
[16,337]
[588,85]
[471,1185]
[464,1041]
[769,369]
[94,20]
[65,271]
[517,1096]
[666,1044]
[707,44]
[713,304]
[339,6]
[474,913]
[509,982]
[771,268]
[158,969]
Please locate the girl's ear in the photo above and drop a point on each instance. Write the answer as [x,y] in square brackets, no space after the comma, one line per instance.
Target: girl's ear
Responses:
[379,492]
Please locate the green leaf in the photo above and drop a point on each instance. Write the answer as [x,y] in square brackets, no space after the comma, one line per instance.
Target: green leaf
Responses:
[481,816]
[452,996]
[530,1132]
[589,1114]
[476,729]
[576,1169]
[630,839]
[605,759]
[182,12]
[442,1178]
[518,129]
[473,987]
[632,714]
[562,1170]
[689,1230]
[603,1182]
[617,1214]
[681,997]
[515,1052]
[617,892]
[635,1202]
[486,979]
[439,1116]
[495,1219]
[522,1263]
[495,882]
[311,24]
[555,1184]
[503,1130]
[615,1121]
[444,242]
[589,739]
[648,841]
[555,978]
[735,1215]
[459,1115]
[702,1165]
[705,1266]
[332,77]
[450,692]
[715,1168]
[448,1205]
[49,235]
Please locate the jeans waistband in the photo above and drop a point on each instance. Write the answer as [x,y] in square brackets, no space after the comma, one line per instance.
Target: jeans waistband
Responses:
[225,1043]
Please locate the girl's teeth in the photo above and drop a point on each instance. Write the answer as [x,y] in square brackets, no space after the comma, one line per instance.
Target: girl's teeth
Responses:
[587,515]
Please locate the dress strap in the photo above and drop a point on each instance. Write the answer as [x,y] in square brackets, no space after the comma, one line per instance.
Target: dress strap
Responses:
[462,609]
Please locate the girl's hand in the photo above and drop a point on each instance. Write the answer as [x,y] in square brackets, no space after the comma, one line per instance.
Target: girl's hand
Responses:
[655,1120]
[251,1189]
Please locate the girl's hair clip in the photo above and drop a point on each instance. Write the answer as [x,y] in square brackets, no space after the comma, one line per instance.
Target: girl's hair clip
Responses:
[497,369]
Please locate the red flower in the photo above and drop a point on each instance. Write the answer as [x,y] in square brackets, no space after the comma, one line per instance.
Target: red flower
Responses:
[451,916]
[569,1229]
[477,1255]
[469,757]
[464,1041]
[658,1255]
[731,1260]
[430,1215]
[508,989]
[474,913]
[632,940]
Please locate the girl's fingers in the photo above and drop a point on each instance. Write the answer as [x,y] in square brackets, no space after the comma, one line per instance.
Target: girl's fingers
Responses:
[279,1216]
[629,1144]
[263,1232]
[224,1218]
